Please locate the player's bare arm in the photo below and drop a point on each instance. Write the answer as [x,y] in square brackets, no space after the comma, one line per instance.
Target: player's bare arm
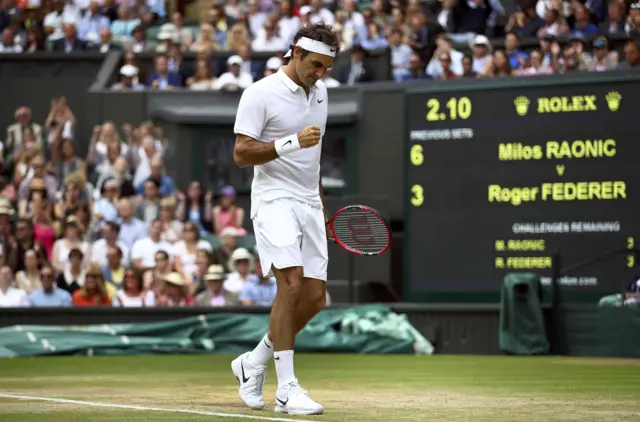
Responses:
[250,152]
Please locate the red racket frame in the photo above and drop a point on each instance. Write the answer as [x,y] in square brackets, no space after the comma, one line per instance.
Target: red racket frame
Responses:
[337,240]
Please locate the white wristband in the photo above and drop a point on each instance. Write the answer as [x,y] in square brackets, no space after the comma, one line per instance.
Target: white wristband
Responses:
[287,145]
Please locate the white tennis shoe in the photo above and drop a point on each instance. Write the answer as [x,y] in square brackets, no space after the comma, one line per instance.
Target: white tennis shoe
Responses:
[294,400]
[251,378]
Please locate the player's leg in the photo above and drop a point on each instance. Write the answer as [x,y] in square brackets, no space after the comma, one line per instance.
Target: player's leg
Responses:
[278,237]
[291,398]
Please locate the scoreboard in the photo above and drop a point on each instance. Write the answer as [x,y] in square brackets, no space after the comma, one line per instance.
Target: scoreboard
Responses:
[500,180]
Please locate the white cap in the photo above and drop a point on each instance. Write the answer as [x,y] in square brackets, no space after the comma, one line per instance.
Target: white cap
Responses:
[481,40]
[129,70]
[305,9]
[168,31]
[274,63]
[235,59]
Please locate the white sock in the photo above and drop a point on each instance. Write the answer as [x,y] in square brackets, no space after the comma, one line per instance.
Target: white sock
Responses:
[284,367]
[263,352]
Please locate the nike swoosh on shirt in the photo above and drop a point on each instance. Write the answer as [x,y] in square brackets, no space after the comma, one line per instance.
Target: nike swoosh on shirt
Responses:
[319,101]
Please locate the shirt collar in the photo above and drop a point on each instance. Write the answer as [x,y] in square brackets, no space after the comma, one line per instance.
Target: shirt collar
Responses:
[288,81]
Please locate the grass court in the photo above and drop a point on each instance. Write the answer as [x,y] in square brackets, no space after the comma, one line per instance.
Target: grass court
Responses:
[353,388]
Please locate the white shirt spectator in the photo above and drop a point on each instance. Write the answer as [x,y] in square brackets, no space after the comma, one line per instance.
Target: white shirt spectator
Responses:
[330,82]
[322,15]
[261,43]
[56,21]
[256,22]
[434,69]
[146,249]
[187,259]
[288,28]
[121,300]
[14,298]
[241,81]
[99,252]
[235,283]
[10,48]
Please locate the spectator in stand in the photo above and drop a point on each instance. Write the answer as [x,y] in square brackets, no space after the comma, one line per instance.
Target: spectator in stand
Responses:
[253,67]
[24,241]
[105,43]
[138,42]
[10,297]
[501,65]
[109,239]
[37,194]
[206,41]
[221,255]
[215,295]
[236,78]
[482,57]
[38,172]
[631,56]
[49,295]
[43,229]
[583,25]
[196,207]
[8,42]
[165,182]
[68,162]
[525,22]
[16,131]
[198,283]
[358,70]
[175,293]
[72,276]
[70,42]
[144,250]
[445,64]
[133,294]
[171,226]
[53,21]
[268,39]
[261,291]
[148,207]
[434,68]
[122,27]
[422,37]
[215,17]
[241,267]
[131,228]
[127,75]
[632,25]
[467,67]
[554,25]
[185,250]
[535,66]
[92,24]
[227,213]
[94,292]
[517,57]
[185,34]
[615,22]
[570,61]
[28,279]
[255,16]
[375,38]
[154,278]
[109,9]
[35,40]
[114,271]
[602,59]
[239,35]
[163,78]
[273,65]
[416,69]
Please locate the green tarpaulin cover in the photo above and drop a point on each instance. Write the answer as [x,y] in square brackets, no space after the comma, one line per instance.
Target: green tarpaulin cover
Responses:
[364,329]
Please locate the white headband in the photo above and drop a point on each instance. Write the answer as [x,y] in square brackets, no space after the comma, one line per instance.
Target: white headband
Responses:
[314,46]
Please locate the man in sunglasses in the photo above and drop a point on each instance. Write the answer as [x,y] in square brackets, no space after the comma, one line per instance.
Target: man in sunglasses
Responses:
[49,295]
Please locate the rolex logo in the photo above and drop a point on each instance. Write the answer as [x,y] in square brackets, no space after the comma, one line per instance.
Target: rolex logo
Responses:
[522,105]
[613,100]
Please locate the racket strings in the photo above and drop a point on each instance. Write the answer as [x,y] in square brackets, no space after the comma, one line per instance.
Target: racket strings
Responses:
[361,230]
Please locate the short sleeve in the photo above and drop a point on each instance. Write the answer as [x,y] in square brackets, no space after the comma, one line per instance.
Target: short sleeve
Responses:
[252,113]
[137,250]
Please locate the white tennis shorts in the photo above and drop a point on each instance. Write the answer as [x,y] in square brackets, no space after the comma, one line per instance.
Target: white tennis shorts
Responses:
[290,233]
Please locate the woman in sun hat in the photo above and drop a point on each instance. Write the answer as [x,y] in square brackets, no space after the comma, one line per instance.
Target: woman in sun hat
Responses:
[175,292]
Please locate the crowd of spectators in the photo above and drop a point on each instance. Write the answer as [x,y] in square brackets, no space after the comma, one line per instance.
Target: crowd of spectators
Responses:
[111,228]
[424,36]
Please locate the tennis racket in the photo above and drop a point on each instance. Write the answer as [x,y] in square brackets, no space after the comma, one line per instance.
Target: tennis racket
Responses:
[360,230]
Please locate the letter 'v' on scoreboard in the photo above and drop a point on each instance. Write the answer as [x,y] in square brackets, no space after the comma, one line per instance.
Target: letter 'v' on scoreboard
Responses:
[500,178]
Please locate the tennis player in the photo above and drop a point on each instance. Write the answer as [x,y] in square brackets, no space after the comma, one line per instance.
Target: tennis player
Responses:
[279,127]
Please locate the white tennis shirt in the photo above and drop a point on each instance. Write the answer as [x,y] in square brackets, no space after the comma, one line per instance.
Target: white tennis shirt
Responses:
[271,109]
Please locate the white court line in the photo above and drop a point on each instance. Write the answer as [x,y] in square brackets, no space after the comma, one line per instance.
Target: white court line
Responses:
[152,409]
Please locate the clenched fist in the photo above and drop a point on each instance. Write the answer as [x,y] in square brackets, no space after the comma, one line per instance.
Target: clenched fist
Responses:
[309,136]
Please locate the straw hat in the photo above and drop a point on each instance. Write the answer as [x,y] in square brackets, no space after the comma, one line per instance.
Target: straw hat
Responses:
[215,272]
[37,183]
[176,279]
[238,254]
[228,231]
